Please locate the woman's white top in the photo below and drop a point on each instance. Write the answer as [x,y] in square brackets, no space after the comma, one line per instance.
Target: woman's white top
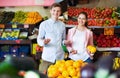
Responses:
[79,45]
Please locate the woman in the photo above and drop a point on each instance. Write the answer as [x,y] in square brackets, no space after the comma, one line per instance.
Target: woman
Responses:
[78,39]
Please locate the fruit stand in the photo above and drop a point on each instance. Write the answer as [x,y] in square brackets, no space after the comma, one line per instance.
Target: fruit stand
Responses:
[15,29]
[104,22]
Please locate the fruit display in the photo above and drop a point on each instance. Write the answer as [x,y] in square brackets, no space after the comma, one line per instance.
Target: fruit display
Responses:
[9,34]
[1,31]
[97,16]
[23,35]
[6,17]
[118,22]
[20,17]
[2,26]
[1,15]
[93,13]
[108,31]
[102,22]
[107,40]
[65,69]
[118,9]
[15,33]
[73,11]
[32,18]
[116,64]
[39,48]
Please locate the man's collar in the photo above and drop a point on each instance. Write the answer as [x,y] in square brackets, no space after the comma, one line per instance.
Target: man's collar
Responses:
[53,21]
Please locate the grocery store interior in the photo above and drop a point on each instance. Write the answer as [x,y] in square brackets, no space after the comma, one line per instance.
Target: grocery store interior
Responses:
[20,54]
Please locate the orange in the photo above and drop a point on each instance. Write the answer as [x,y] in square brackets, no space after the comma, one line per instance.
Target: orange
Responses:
[68,77]
[78,74]
[65,73]
[58,62]
[62,68]
[69,63]
[53,71]
[75,77]
[69,68]
[81,61]
[73,72]
[78,69]
[50,68]
[60,76]
[76,64]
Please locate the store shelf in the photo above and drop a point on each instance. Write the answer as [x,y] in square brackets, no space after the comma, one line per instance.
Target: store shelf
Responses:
[15,42]
[108,49]
[96,26]
[98,29]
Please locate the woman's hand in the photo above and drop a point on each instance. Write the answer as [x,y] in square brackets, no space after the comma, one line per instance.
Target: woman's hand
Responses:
[73,51]
[67,42]
[46,41]
[90,54]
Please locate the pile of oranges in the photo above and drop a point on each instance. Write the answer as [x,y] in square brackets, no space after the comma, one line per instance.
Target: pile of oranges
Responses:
[66,69]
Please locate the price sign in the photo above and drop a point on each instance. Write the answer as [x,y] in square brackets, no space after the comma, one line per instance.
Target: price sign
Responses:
[14,26]
[108,31]
[26,26]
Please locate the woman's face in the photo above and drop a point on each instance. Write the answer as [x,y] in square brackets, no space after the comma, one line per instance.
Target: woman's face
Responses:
[82,20]
[55,12]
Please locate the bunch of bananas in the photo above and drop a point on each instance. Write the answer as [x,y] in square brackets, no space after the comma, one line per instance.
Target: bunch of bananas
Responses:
[116,64]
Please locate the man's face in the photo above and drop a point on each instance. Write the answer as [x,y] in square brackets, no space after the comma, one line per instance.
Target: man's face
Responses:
[55,12]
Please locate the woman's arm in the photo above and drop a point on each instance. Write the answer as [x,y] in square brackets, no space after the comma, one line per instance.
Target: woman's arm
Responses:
[90,42]
[69,47]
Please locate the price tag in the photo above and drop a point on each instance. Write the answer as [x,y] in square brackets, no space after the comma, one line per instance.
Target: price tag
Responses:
[26,26]
[2,26]
[108,31]
[14,26]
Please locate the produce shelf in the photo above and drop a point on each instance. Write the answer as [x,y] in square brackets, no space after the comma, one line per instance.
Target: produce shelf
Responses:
[108,49]
[15,42]
[96,26]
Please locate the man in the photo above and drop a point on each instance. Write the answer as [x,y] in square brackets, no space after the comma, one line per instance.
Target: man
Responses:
[51,35]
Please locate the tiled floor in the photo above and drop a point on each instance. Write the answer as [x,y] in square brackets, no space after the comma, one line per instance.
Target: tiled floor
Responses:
[101,3]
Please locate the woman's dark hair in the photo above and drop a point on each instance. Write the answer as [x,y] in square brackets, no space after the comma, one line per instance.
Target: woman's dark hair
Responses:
[86,15]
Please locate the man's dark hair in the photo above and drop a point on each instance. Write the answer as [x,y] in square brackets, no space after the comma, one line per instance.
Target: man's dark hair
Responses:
[55,5]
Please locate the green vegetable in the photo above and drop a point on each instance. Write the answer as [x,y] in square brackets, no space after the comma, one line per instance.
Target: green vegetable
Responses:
[107,21]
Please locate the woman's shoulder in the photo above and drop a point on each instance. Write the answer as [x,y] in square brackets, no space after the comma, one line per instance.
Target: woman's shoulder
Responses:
[89,30]
[73,28]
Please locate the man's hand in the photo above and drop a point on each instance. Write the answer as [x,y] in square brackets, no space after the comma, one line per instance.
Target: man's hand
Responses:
[46,41]
[67,42]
